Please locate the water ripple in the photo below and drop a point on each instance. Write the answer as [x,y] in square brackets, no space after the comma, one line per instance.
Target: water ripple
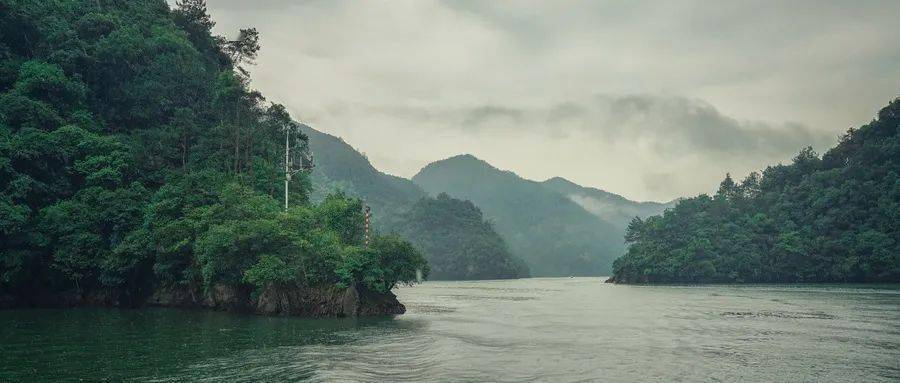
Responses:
[560,330]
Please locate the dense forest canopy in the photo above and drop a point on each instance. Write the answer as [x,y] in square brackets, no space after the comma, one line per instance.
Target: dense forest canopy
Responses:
[134,154]
[834,218]
[457,242]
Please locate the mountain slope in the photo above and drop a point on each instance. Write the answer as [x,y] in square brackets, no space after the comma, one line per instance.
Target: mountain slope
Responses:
[554,235]
[458,242]
[451,233]
[611,207]
[340,167]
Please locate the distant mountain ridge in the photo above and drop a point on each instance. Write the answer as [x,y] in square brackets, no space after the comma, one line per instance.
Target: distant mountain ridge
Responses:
[612,207]
[557,226]
[452,234]
[340,167]
[554,235]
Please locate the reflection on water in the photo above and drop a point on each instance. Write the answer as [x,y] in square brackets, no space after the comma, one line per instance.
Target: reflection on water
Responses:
[523,330]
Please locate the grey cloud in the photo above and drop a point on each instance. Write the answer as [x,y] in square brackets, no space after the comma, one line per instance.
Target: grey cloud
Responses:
[669,125]
[675,125]
[658,182]
[478,115]
[565,112]
[472,119]
[690,88]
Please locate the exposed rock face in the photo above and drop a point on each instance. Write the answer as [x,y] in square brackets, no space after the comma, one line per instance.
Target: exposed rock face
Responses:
[219,297]
[176,297]
[624,279]
[372,304]
[312,302]
[306,302]
[329,301]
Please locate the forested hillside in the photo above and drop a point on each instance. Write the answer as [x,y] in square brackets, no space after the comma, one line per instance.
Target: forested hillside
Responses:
[834,218]
[340,167]
[554,235]
[451,234]
[457,241]
[134,155]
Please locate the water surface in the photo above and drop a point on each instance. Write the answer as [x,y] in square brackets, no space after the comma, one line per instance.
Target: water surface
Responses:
[522,330]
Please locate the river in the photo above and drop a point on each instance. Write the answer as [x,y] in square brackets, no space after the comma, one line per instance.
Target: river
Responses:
[558,330]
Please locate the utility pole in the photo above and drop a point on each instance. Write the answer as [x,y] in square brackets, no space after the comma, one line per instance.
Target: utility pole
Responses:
[368,215]
[301,151]
[287,163]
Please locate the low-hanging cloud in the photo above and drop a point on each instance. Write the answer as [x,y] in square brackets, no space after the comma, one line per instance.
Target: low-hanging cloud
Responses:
[678,125]
[668,125]
[610,94]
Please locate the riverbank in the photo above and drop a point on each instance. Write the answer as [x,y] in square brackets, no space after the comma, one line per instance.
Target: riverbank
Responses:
[310,302]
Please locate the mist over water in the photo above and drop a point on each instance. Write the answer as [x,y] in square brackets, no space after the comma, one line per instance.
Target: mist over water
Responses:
[561,329]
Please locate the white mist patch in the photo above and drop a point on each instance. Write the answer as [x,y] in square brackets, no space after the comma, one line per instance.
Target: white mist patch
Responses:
[593,205]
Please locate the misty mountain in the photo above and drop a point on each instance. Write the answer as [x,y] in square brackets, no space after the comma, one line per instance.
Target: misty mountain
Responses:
[452,234]
[611,207]
[552,233]
[340,167]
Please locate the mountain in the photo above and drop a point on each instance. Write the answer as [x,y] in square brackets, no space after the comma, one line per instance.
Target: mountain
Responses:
[452,234]
[458,242]
[340,167]
[832,218]
[554,235]
[611,207]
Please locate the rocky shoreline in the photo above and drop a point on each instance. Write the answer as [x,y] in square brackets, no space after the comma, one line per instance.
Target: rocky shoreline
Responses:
[312,302]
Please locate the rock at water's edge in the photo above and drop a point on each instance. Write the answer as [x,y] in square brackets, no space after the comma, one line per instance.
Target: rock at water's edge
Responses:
[331,301]
[327,301]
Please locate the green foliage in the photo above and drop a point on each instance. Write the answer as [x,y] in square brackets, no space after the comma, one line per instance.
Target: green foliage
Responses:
[388,261]
[134,154]
[829,219]
[343,216]
[451,234]
[339,167]
[553,234]
[84,231]
[458,242]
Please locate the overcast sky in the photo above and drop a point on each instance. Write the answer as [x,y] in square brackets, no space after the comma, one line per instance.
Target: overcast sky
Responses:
[651,100]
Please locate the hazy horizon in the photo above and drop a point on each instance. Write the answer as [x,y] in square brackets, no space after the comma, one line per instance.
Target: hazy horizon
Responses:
[652,101]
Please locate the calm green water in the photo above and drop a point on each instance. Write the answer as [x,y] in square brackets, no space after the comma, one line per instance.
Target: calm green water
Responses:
[525,330]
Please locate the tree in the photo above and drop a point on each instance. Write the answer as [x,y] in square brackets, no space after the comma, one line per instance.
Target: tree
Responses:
[457,241]
[829,219]
[134,155]
[243,50]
